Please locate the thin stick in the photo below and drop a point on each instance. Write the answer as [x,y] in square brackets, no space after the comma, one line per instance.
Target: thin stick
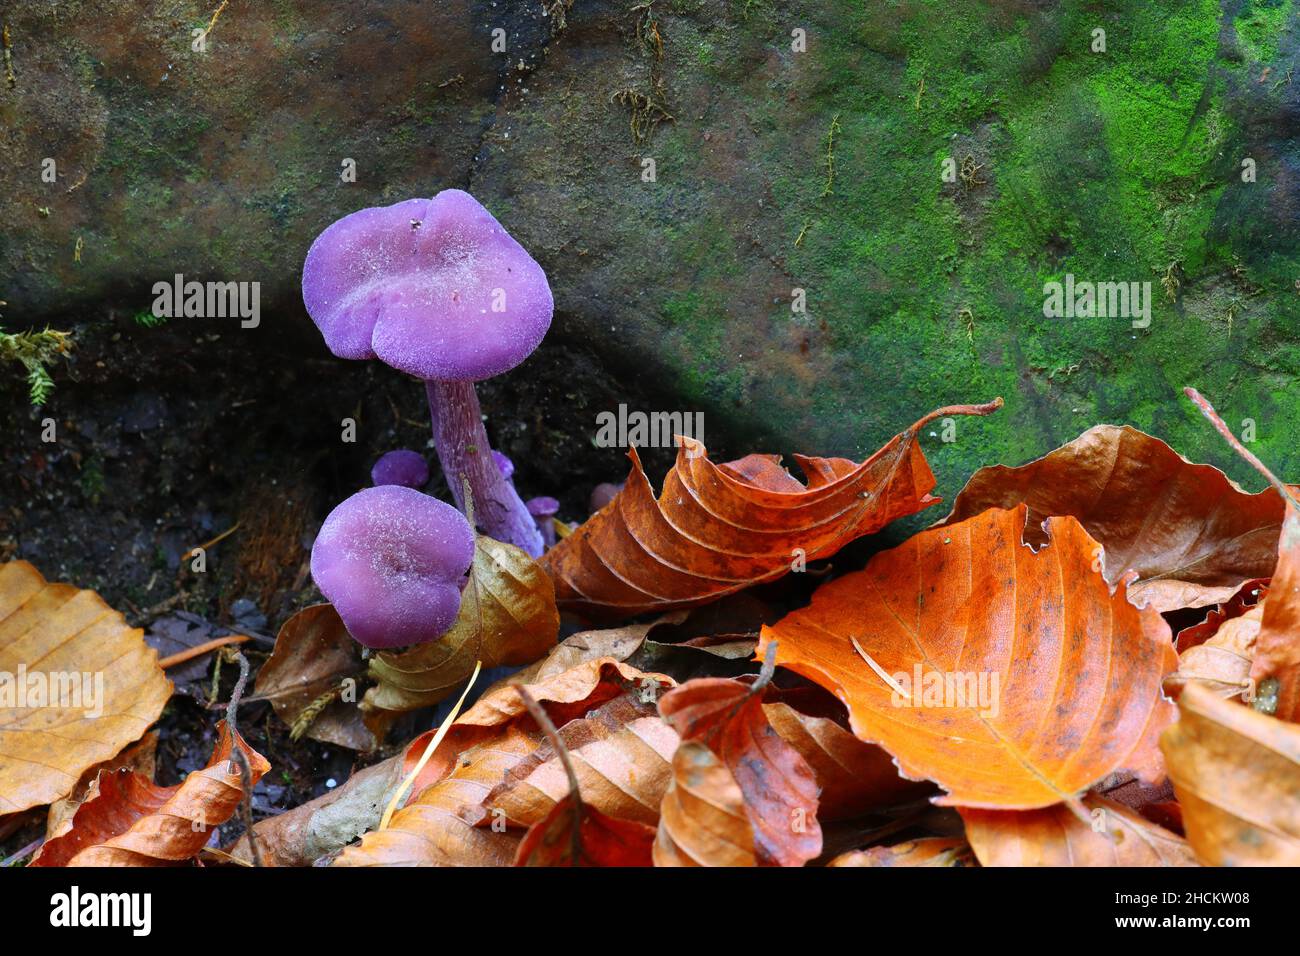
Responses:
[200,649]
[428,751]
[548,728]
[1208,411]
[245,769]
[878,669]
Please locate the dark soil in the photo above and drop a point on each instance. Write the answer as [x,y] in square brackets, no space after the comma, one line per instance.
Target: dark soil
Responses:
[169,437]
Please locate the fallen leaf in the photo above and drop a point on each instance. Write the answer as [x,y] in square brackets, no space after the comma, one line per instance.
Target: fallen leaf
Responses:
[1035,679]
[304,834]
[507,617]
[99,686]
[931,851]
[430,831]
[1222,663]
[600,840]
[448,822]
[702,821]
[717,529]
[1237,776]
[1277,647]
[1248,596]
[140,758]
[624,774]
[779,788]
[1114,835]
[127,820]
[314,667]
[1191,534]
[855,777]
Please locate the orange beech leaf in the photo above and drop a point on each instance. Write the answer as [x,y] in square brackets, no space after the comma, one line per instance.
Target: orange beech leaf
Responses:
[931,851]
[1030,679]
[1113,835]
[855,777]
[702,821]
[600,840]
[1190,533]
[76,686]
[1221,664]
[430,829]
[449,822]
[717,529]
[1277,647]
[127,820]
[779,788]
[569,694]
[1237,776]
[623,774]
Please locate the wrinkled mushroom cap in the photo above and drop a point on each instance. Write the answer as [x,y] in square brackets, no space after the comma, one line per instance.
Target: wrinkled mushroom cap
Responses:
[392,560]
[400,467]
[433,287]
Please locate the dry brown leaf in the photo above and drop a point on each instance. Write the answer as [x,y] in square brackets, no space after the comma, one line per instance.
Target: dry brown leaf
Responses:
[1077,667]
[1237,776]
[304,834]
[1056,836]
[1222,663]
[71,646]
[931,851]
[702,821]
[1248,596]
[448,822]
[778,786]
[624,775]
[315,657]
[717,529]
[1192,535]
[127,820]
[140,758]
[507,616]
[855,777]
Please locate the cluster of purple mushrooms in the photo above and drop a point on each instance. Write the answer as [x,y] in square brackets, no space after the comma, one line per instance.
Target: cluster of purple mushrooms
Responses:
[435,288]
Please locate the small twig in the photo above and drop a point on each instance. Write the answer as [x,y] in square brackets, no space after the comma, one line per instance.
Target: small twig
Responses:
[880,671]
[1208,411]
[25,852]
[207,544]
[548,728]
[245,769]
[200,649]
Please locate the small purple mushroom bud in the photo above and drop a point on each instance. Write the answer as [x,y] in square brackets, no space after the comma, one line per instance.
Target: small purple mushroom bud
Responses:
[506,466]
[543,511]
[392,560]
[401,467]
[438,289]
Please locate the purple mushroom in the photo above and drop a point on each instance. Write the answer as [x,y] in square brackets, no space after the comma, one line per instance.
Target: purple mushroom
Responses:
[543,511]
[438,289]
[392,562]
[602,495]
[400,467]
[506,466]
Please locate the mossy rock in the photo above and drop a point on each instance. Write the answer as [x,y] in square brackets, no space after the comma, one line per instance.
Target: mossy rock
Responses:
[774,170]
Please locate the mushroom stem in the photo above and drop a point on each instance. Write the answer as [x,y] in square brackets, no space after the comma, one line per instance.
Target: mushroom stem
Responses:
[463,449]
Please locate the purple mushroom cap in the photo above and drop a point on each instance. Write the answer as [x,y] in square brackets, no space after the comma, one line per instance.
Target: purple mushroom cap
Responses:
[433,287]
[542,507]
[400,467]
[504,464]
[392,560]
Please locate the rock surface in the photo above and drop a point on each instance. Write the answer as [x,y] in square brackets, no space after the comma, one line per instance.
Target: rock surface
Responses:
[774,171]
